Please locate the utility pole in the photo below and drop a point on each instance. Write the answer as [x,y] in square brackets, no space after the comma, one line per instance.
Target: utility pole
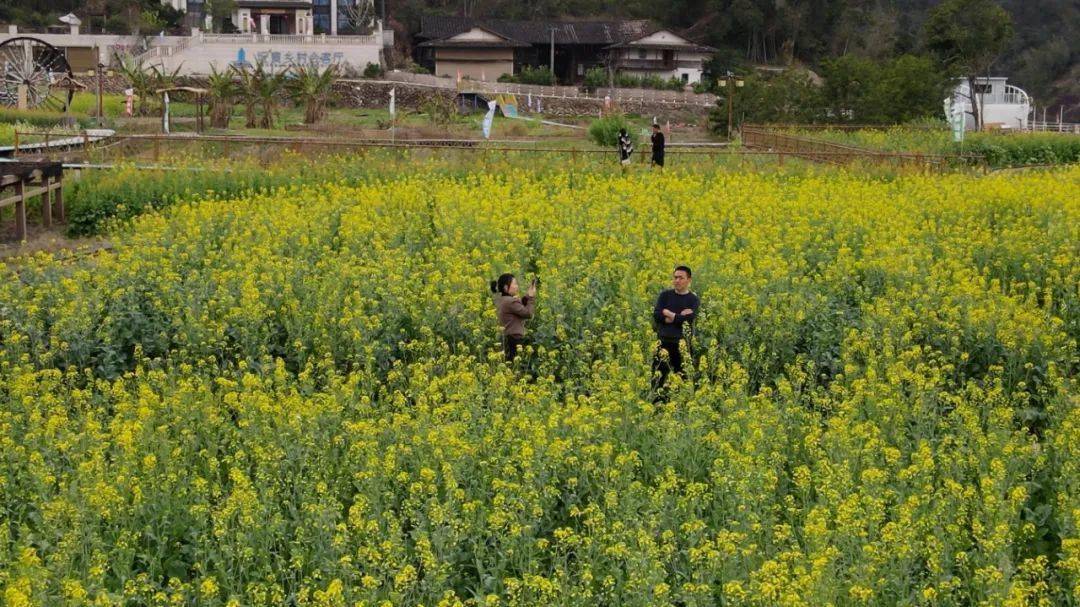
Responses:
[730,83]
[552,59]
[100,105]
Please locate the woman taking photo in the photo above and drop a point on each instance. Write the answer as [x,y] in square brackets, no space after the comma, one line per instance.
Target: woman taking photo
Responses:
[512,311]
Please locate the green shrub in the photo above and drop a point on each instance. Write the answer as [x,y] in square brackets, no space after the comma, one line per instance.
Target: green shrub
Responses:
[38,118]
[373,70]
[529,75]
[596,77]
[605,131]
[676,84]
[1021,149]
[540,75]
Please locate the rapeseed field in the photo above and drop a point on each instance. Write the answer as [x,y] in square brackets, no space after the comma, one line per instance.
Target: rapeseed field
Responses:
[299,398]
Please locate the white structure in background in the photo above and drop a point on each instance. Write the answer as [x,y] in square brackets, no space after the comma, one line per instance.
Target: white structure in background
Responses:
[999,103]
[663,54]
[286,17]
[197,53]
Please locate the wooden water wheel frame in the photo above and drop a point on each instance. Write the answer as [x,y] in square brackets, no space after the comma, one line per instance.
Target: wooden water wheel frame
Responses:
[34,70]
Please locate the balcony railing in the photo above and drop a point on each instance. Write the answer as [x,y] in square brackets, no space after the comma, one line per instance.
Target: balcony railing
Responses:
[657,64]
[290,39]
[1011,96]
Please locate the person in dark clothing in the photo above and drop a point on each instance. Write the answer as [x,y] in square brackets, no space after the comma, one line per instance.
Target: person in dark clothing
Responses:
[674,314]
[512,311]
[626,147]
[657,146]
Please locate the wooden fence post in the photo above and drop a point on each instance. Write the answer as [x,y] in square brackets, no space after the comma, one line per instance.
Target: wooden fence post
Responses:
[20,211]
[58,200]
[46,201]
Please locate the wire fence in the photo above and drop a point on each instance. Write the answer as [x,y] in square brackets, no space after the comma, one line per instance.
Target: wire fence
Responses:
[762,137]
[757,141]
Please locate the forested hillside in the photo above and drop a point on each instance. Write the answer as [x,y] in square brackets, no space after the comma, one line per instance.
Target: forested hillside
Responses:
[1042,59]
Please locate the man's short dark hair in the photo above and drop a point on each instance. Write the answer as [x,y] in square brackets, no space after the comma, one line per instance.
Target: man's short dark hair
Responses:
[655,125]
[686,269]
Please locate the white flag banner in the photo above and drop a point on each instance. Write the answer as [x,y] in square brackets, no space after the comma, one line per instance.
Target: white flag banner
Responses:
[393,95]
[488,119]
[165,113]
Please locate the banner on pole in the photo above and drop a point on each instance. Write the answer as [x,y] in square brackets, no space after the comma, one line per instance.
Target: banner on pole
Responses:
[165,113]
[488,119]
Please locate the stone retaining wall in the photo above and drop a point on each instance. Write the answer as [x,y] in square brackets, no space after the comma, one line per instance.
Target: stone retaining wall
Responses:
[377,95]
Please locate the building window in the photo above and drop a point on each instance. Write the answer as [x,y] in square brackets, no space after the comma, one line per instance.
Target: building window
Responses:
[685,78]
[642,54]
[344,21]
[320,16]
[195,13]
[983,89]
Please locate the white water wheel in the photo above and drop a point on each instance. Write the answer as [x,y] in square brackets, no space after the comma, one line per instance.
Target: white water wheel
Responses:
[31,73]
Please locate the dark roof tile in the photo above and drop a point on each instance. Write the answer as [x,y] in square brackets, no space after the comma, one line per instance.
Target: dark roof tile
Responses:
[434,27]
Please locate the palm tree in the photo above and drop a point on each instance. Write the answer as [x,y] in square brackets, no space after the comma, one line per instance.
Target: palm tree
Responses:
[269,90]
[312,87]
[260,87]
[162,78]
[223,92]
[246,86]
[141,79]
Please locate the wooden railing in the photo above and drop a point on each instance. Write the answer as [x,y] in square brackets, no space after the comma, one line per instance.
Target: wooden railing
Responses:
[29,179]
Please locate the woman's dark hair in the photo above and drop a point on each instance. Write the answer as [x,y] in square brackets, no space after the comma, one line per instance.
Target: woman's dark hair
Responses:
[502,284]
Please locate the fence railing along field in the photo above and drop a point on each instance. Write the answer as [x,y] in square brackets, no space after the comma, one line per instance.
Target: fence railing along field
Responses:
[757,144]
[1069,128]
[765,137]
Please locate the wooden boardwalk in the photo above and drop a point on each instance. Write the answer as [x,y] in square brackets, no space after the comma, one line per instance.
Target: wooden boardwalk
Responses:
[54,142]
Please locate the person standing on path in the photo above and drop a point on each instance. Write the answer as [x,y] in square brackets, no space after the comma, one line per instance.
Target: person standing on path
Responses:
[657,146]
[674,314]
[512,311]
[626,147]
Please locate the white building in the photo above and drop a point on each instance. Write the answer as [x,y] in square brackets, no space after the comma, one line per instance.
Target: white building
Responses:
[663,54]
[198,53]
[282,17]
[999,103]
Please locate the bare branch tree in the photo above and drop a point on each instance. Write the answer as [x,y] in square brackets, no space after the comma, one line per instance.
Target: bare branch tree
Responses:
[359,15]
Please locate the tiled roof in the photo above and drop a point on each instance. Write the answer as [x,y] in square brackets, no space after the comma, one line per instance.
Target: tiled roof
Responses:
[434,27]
[474,44]
[691,47]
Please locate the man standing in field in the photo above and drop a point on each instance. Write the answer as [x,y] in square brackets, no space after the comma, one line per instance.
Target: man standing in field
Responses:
[657,146]
[674,315]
